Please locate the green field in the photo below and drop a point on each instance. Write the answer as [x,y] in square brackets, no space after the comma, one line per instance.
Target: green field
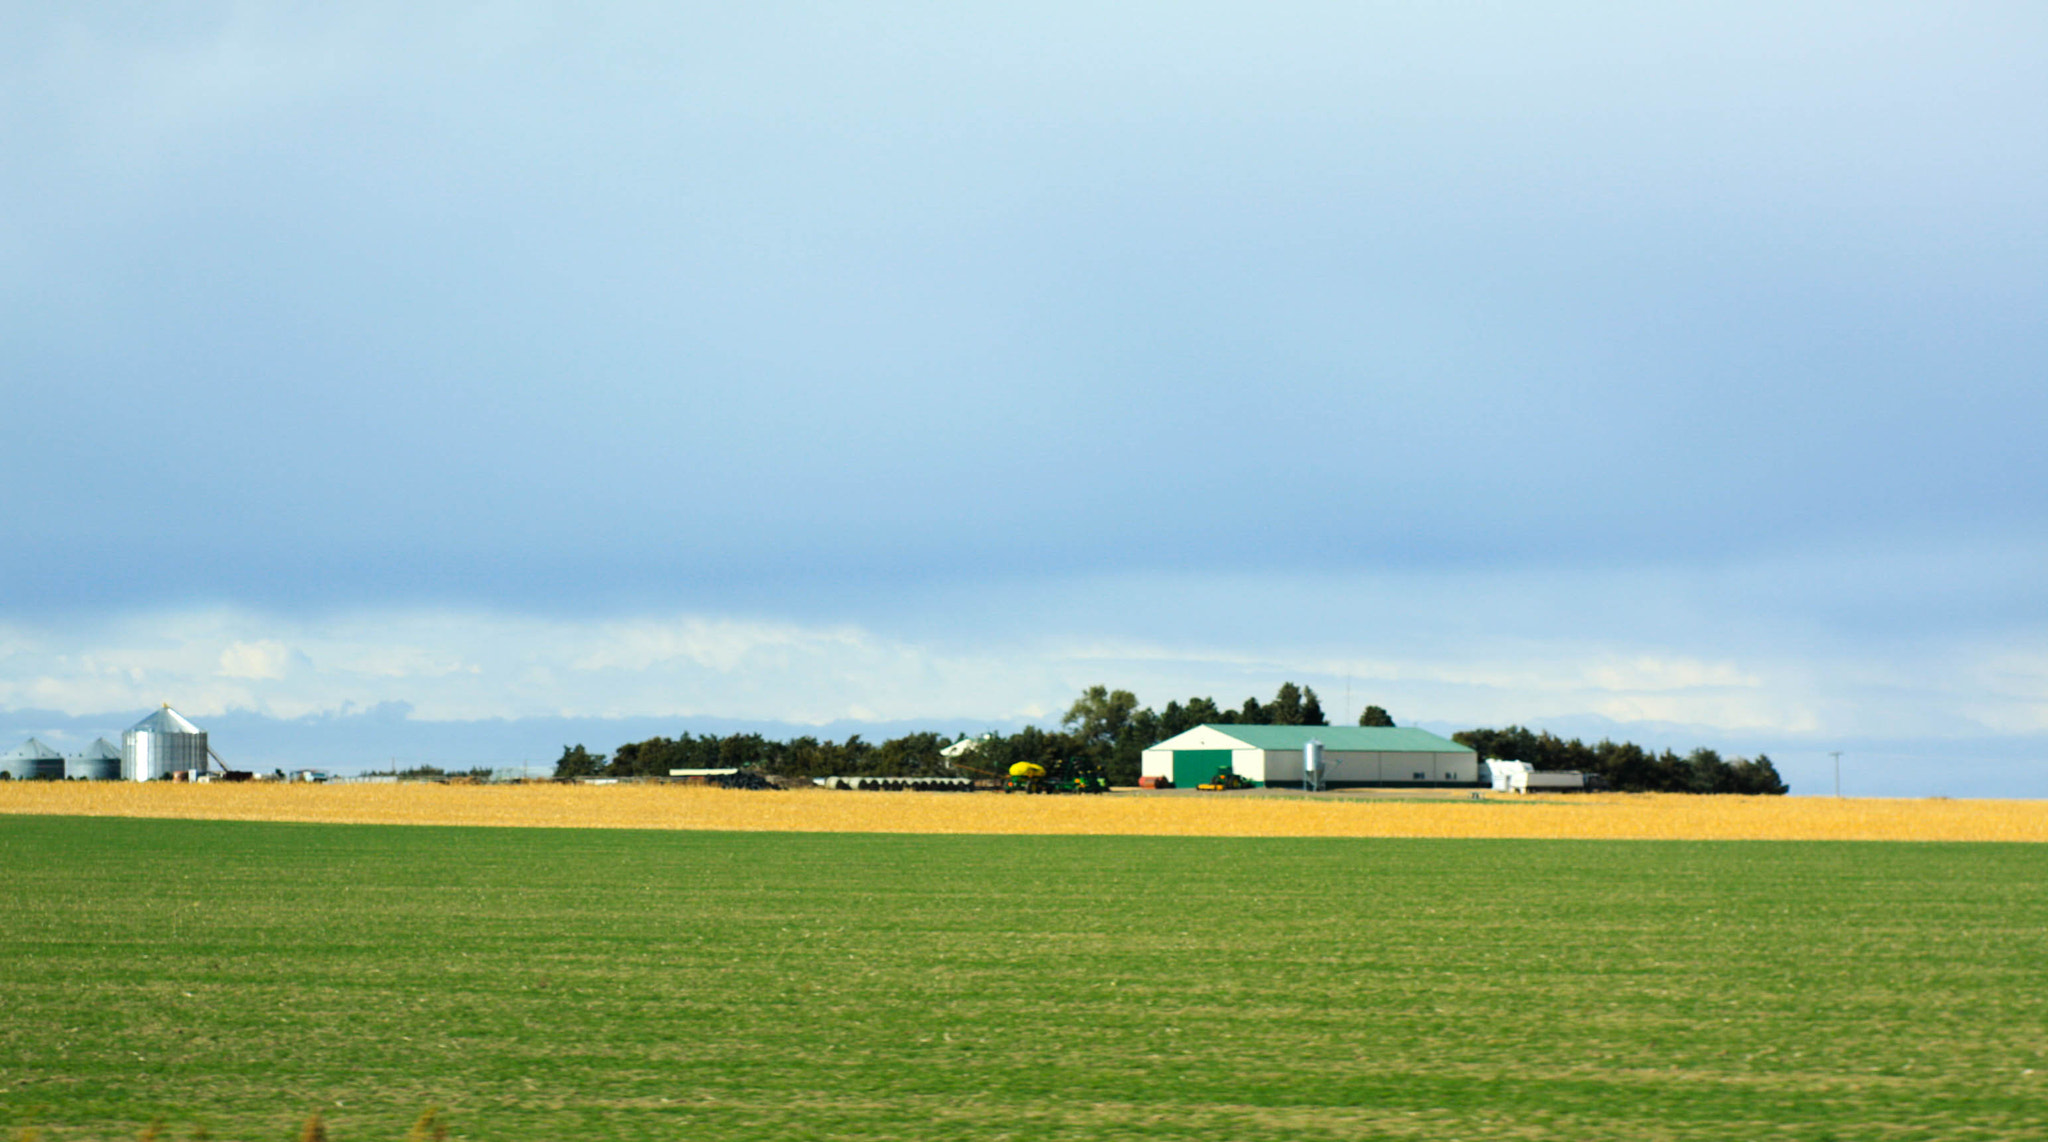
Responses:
[557,984]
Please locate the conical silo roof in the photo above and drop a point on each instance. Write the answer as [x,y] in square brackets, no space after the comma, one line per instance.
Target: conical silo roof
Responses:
[165,721]
[101,750]
[31,750]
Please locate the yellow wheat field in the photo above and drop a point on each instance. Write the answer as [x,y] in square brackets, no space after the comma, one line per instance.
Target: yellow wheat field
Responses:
[1599,816]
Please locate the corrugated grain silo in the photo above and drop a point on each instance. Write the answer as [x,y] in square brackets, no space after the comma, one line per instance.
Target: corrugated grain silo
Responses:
[32,760]
[100,761]
[160,745]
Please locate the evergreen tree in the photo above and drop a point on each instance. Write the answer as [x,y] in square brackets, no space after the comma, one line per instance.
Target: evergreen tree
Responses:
[1311,709]
[578,762]
[1285,709]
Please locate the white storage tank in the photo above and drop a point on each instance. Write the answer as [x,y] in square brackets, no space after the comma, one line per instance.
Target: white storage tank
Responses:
[160,745]
[31,761]
[100,761]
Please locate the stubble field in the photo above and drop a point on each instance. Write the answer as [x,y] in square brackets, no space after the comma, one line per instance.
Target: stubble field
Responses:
[1255,813]
[610,983]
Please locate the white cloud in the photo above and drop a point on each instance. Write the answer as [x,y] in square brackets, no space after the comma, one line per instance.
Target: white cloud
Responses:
[400,660]
[262,660]
[721,645]
[1681,648]
[458,665]
[2006,688]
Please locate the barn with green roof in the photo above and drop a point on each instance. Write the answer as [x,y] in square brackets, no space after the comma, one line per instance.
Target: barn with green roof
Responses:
[1353,756]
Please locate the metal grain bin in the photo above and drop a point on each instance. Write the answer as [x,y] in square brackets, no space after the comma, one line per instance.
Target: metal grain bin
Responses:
[32,760]
[100,761]
[160,745]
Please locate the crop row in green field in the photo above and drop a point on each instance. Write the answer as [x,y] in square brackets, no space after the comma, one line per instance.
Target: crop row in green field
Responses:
[546,984]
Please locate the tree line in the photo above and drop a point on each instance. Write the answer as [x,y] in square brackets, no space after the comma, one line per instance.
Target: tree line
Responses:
[1103,726]
[1627,766]
[908,756]
[1109,729]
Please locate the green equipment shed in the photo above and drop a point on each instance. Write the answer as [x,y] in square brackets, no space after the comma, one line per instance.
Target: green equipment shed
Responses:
[1353,756]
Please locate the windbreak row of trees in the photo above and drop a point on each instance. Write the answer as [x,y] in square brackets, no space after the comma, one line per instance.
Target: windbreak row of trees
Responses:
[1104,726]
[1109,728]
[1627,766]
[908,756]
[433,772]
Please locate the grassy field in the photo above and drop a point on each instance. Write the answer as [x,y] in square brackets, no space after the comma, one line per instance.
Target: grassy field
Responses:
[600,984]
[1253,813]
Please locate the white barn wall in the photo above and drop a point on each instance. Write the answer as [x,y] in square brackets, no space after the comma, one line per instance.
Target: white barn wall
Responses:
[1285,765]
[1351,766]
[1405,766]
[1201,737]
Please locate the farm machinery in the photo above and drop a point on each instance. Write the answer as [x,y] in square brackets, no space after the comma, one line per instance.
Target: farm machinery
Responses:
[1226,778]
[1065,776]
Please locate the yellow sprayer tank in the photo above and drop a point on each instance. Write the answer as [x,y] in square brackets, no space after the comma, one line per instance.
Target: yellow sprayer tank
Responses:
[1027,769]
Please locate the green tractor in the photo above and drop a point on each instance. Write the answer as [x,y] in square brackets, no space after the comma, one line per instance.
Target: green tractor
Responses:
[1226,778]
[1064,776]
[1079,777]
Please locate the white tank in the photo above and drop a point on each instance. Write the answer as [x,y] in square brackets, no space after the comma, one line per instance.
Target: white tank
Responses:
[1312,764]
[160,745]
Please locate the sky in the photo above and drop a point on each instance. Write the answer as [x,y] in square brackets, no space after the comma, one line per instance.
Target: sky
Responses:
[449,383]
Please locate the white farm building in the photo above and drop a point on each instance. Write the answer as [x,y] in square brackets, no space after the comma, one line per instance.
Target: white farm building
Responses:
[1352,756]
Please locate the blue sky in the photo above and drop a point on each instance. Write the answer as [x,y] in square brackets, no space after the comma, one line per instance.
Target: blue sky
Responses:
[1672,373]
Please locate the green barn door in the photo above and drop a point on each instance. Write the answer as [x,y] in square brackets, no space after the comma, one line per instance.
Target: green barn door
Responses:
[1192,767]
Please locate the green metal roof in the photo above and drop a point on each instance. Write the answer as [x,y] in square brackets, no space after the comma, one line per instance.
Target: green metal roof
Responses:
[1380,739]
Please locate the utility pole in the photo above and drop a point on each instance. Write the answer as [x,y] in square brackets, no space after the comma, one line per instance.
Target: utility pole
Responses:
[1837,755]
